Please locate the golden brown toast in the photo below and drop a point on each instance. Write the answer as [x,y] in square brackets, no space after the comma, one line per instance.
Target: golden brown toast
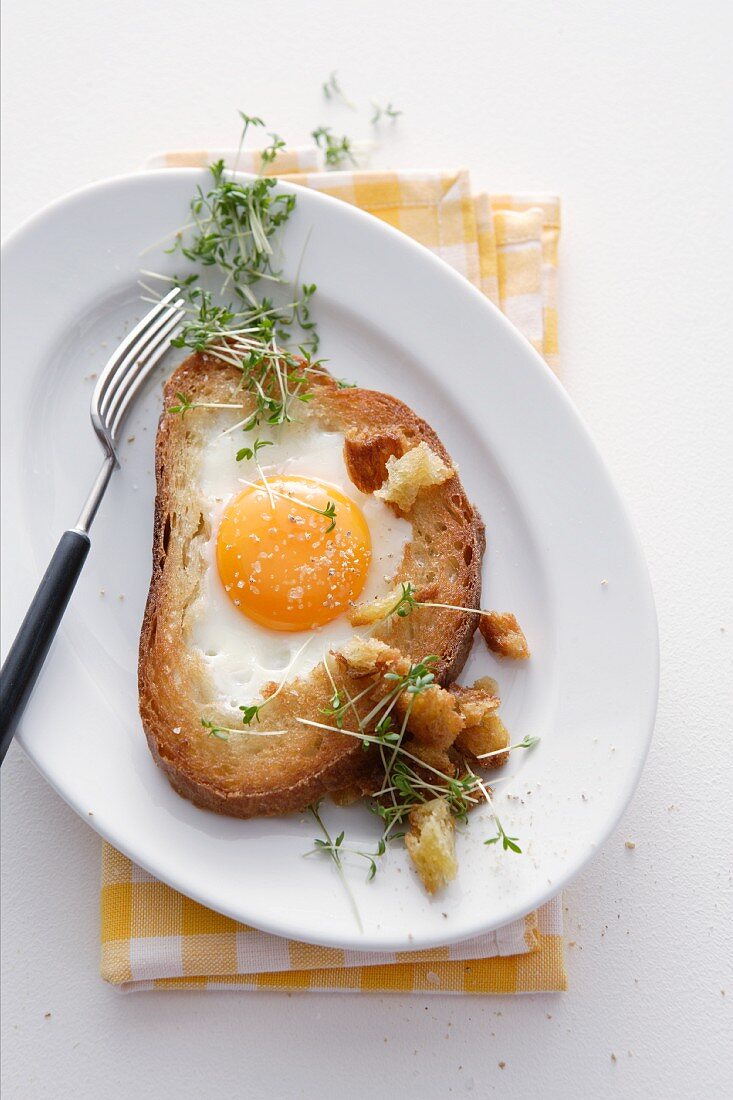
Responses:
[247,775]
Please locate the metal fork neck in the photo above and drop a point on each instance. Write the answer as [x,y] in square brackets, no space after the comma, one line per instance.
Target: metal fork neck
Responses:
[89,511]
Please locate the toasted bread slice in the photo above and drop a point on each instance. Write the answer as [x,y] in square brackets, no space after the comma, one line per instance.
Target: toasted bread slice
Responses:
[249,775]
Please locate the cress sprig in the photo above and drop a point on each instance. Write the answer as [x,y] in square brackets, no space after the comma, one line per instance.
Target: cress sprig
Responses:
[336,150]
[336,848]
[332,90]
[380,112]
[332,848]
[234,223]
[407,602]
[233,230]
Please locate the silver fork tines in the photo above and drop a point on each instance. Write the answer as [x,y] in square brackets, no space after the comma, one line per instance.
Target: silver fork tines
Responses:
[131,363]
[121,381]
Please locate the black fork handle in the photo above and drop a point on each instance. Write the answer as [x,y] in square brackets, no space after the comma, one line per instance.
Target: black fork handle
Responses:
[37,631]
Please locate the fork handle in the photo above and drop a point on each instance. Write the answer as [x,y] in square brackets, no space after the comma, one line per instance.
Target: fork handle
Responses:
[37,631]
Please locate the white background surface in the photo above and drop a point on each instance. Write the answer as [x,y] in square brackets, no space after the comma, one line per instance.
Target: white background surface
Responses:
[623,109]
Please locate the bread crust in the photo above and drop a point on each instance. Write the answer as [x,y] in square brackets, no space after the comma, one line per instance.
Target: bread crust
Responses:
[246,776]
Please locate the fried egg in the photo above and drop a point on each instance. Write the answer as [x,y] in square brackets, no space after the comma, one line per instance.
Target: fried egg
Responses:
[293,545]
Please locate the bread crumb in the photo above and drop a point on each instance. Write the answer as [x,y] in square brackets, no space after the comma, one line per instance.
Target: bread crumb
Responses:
[47,1015]
[488,684]
[367,656]
[373,611]
[484,731]
[406,476]
[474,703]
[431,844]
[630,844]
[503,635]
[502,1065]
[613,1057]
[434,717]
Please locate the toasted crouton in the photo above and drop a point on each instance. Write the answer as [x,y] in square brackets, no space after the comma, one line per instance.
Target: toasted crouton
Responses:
[483,741]
[366,460]
[434,718]
[431,844]
[503,635]
[368,656]
[474,703]
[484,731]
[406,476]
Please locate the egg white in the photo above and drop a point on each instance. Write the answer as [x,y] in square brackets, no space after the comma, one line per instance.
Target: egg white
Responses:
[239,654]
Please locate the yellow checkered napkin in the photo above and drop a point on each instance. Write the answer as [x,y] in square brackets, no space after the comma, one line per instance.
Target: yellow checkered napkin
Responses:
[154,937]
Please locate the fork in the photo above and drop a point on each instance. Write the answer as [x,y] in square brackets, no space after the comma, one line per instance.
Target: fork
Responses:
[117,386]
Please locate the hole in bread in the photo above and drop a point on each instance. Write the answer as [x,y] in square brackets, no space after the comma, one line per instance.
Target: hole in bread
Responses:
[166,534]
[468,554]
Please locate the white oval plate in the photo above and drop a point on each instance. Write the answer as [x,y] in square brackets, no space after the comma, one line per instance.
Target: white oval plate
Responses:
[561,555]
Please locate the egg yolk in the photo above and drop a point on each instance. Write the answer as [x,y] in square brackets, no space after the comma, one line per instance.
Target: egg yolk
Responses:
[279,563]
